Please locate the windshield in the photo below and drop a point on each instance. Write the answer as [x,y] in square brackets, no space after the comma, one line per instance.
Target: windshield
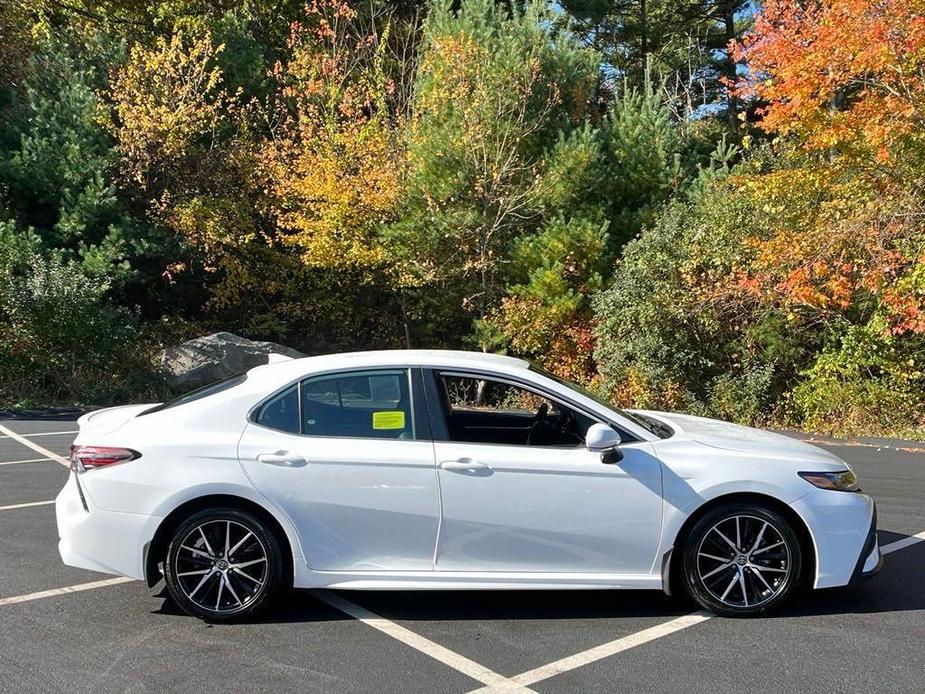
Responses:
[203,392]
[651,425]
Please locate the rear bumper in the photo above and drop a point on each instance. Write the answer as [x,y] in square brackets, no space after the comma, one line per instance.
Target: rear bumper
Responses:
[106,541]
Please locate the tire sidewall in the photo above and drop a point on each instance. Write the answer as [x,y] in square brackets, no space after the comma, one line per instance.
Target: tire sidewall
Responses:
[691,577]
[260,530]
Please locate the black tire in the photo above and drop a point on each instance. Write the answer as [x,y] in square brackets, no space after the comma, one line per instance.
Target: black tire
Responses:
[750,579]
[205,583]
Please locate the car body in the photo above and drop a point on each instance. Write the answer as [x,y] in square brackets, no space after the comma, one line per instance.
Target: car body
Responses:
[422,469]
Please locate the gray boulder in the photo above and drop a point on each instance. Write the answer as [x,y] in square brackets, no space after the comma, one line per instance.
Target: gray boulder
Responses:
[206,359]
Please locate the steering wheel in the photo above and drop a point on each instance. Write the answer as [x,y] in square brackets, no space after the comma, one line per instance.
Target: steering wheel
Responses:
[565,427]
[538,420]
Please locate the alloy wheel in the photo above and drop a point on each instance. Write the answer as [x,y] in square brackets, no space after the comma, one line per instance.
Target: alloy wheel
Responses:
[743,561]
[221,566]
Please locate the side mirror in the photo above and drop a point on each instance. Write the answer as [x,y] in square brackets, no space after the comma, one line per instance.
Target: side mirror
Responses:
[601,437]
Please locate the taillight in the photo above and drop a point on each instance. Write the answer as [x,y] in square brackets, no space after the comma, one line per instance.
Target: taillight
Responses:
[85,458]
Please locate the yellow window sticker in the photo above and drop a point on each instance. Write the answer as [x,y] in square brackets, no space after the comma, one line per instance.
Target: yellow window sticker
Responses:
[392,419]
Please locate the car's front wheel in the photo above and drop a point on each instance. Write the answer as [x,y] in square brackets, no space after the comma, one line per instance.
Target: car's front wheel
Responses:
[222,564]
[741,559]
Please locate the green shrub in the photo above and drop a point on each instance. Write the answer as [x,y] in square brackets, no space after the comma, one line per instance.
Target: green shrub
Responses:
[867,381]
[60,340]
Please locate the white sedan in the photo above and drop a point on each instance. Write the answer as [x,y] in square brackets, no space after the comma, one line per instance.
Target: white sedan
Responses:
[450,470]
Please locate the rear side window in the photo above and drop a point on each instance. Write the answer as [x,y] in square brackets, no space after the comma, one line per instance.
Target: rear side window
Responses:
[369,404]
[199,393]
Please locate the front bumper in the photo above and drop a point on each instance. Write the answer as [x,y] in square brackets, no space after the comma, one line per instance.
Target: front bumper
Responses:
[105,541]
[870,562]
[843,526]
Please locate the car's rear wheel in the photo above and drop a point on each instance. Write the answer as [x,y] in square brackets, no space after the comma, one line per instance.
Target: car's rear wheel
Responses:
[741,559]
[223,564]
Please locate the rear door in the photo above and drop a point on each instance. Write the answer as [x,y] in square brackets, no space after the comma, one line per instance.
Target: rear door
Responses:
[344,455]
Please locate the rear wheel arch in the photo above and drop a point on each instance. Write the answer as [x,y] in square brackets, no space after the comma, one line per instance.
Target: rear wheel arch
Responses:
[672,571]
[156,550]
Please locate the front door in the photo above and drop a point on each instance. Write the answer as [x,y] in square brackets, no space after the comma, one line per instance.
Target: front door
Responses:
[521,493]
[339,454]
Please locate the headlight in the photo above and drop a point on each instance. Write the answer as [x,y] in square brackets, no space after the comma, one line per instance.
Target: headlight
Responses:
[844,481]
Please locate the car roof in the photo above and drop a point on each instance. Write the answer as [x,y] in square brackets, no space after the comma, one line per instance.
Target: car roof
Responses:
[395,357]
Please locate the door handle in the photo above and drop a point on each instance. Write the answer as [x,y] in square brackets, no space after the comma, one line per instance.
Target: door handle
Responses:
[465,465]
[282,458]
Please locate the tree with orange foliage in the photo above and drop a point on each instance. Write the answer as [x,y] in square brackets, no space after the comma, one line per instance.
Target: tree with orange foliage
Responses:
[845,81]
[842,74]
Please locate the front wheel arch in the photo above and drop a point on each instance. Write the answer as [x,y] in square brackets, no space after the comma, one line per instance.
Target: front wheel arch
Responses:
[156,551]
[671,574]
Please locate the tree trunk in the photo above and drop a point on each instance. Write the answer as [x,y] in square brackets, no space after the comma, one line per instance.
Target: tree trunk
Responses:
[732,102]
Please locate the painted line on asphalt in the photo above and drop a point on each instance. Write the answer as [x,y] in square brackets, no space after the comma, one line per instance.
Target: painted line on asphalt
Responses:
[460,663]
[39,433]
[903,543]
[30,460]
[606,650]
[28,597]
[645,636]
[862,444]
[34,446]
[31,503]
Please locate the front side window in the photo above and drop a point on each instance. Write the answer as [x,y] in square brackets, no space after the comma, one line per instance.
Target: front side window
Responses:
[369,404]
[482,410]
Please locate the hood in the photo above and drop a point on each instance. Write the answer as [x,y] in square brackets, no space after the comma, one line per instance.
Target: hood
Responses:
[735,437]
[110,418]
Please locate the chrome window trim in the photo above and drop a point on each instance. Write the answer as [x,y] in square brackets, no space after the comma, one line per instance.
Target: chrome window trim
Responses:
[254,411]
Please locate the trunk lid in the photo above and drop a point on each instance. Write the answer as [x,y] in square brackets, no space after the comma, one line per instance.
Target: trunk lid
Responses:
[110,418]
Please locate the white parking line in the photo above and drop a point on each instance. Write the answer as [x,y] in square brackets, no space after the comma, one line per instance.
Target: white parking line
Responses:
[12,600]
[31,503]
[645,636]
[31,460]
[495,681]
[903,543]
[606,650]
[34,446]
[38,433]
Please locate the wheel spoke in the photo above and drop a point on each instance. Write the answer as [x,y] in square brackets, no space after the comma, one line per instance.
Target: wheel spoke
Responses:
[719,568]
[742,584]
[197,552]
[200,584]
[246,575]
[758,539]
[196,573]
[713,556]
[768,568]
[239,543]
[729,587]
[765,549]
[208,546]
[227,538]
[249,563]
[221,586]
[761,578]
[227,580]
[728,541]
[738,535]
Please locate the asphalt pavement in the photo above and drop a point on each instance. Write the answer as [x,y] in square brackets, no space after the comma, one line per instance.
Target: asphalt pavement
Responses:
[63,630]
